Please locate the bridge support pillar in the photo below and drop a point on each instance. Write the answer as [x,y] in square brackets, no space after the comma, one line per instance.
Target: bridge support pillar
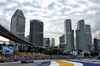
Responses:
[22,46]
[16,47]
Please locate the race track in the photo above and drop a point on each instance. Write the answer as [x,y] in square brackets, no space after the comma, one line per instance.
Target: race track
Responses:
[19,63]
[54,63]
[69,63]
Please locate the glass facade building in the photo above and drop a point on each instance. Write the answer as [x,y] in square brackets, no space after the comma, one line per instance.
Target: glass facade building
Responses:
[46,43]
[83,36]
[18,24]
[62,39]
[17,27]
[69,35]
[36,32]
[52,42]
[96,44]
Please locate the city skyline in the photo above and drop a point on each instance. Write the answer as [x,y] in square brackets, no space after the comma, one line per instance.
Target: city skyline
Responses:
[53,18]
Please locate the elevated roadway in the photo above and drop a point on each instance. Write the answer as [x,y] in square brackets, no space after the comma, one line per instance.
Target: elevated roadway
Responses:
[9,35]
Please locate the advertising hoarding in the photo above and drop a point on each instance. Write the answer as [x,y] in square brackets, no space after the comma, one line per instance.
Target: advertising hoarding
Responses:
[74,52]
[7,50]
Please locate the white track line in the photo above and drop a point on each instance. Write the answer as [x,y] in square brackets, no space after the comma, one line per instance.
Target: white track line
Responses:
[54,63]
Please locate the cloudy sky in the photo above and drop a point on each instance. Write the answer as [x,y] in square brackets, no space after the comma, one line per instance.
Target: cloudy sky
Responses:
[53,13]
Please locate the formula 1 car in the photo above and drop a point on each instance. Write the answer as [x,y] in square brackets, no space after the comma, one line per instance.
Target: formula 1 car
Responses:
[27,61]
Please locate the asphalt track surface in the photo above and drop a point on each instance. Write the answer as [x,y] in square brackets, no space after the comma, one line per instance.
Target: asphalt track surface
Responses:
[54,63]
[69,63]
[18,63]
[88,63]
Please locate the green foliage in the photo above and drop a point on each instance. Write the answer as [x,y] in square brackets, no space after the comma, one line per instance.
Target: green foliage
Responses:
[94,53]
[21,50]
[53,51]
[79,51]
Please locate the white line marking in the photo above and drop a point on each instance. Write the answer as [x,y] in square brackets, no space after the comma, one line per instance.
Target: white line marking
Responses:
[54,63]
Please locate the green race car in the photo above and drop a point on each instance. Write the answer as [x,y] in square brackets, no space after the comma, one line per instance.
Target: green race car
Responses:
[27,61]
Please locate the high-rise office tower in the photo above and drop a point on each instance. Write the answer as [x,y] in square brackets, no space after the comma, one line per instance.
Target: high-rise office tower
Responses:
[17,26]
[96,44]
[62,44]
[36,32]
[27,38]
[69,35]
[72,39]
[88,36]
[83,39]
[62,39]
[52,42]
[46,43]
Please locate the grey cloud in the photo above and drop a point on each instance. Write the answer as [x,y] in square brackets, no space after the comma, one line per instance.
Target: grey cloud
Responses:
[12,1]
[84,11]
[95,1]
[51,6]
[10,9]
[63,2]
[27,4]
[34,5]
[74,5]
[47,16]
[55,32]
[18,6]
[2,4]
[31,10]
[25,11]
[96,23]
[94,8]
[65,9]
[82,1]
[36,14]
[35,10]
[5,23]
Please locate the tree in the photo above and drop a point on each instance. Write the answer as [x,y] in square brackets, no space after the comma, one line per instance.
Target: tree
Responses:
[94,53]
[53,51]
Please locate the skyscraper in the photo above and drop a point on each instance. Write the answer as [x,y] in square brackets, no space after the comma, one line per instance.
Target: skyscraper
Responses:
[83,36]
[52,42]
[36,32]
[62,44]
[72,40]
[17,26]
[88,36]
[96,48]
[80,36]
[62,39]
[69,35]
[96,44]
[27,38]
[46,43]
